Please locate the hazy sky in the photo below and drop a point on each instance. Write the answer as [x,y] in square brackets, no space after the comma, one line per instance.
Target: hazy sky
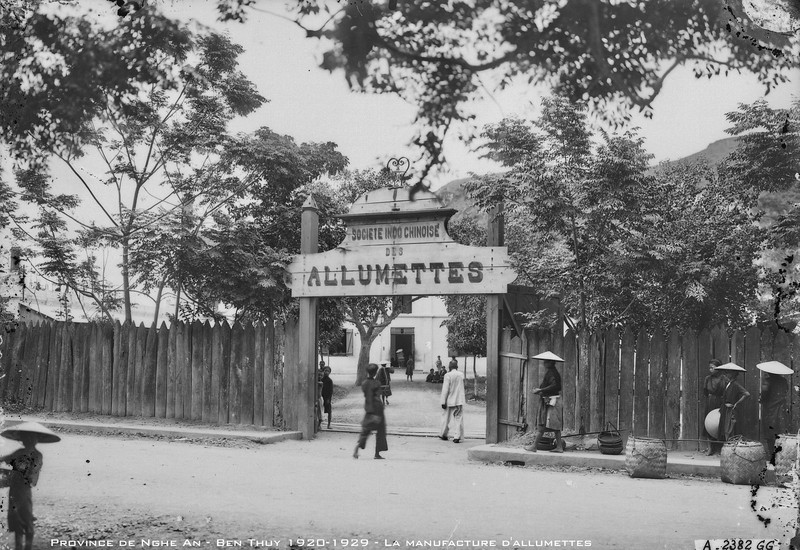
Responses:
[311,104]
[314,105]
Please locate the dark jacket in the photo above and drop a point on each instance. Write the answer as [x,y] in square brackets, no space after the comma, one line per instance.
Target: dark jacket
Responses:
[551,383]
[372,396]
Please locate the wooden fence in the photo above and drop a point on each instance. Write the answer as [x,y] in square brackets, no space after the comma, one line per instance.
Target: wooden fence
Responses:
[215,374]
[648,384]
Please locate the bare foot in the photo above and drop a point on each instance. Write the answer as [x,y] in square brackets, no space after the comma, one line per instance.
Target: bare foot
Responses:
[355,452]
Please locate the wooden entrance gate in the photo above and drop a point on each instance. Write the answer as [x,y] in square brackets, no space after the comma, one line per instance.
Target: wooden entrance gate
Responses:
[512,376]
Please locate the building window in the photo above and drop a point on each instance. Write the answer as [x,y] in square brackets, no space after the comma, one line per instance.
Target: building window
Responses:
[403,303]
[344,344]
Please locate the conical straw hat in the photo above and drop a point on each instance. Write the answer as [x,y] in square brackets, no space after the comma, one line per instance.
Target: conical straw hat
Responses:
[43,435]
[774,367]
[548,356]
[730,366]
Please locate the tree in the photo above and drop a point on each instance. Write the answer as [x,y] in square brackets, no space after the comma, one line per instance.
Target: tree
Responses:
[612,55]
[466,314]
[620,245]
[238,255]
[147,98]
[370,316]
[764,164]
[7,209]
[695,251]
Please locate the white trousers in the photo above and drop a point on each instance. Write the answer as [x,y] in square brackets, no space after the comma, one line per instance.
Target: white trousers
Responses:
[457,414]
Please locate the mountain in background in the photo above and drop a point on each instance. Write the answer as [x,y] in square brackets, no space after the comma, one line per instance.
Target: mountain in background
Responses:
[774,205]
[715,152]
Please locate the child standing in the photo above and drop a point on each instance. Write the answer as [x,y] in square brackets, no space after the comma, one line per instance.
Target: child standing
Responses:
[26,463]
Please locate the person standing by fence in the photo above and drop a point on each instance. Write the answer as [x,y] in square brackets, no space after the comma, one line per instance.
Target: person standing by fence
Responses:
[773,398]
[327,393]
[713,388]
[374,420]
[550,414]
[729,418]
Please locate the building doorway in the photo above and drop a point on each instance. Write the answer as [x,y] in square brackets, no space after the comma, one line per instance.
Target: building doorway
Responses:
[401,346]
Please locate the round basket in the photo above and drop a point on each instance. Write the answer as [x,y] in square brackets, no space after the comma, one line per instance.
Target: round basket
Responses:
[785,456]
[646,457]
[546,443]
[610,441]
[743,462]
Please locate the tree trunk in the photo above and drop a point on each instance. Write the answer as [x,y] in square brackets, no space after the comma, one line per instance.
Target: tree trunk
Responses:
[177,300]
[582,406]
[126,279]
[363,360]
[158,300]
[474,374]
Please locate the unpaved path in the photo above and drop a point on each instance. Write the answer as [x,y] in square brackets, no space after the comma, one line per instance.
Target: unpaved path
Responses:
[117,489]
[412,404]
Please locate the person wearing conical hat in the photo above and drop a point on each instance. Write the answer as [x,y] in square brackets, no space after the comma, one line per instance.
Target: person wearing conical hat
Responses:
[773,398]
[713,388]
[26,463]
[729,415]
[550,413]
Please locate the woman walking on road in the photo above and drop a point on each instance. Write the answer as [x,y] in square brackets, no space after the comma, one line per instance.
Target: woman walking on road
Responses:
[373,414]
[385,381]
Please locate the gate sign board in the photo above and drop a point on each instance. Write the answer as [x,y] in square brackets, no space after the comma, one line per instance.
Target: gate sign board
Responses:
[399,247]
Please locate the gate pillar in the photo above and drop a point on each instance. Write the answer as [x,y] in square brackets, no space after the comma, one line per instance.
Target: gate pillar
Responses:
[495,237]
[303,375]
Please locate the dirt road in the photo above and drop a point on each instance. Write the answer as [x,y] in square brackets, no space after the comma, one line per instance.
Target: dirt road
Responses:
[117,489]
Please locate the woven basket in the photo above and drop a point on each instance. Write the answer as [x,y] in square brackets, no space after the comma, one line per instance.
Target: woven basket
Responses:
[646,457]
[785,457]
[743,462]
[610,441]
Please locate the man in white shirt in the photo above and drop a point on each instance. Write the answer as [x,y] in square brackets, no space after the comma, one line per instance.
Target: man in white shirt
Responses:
[453,403]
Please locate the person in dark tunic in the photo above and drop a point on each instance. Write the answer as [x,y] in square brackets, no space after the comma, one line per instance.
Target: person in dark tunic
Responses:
[26,463]
[374,419]
[549,416]
[713,388]
[410,369]
[385,381]
[729,417]
[327,393]
[774,404]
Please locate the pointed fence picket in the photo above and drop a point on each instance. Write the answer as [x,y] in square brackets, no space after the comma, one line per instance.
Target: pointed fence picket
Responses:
[653,382]
[187,371]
